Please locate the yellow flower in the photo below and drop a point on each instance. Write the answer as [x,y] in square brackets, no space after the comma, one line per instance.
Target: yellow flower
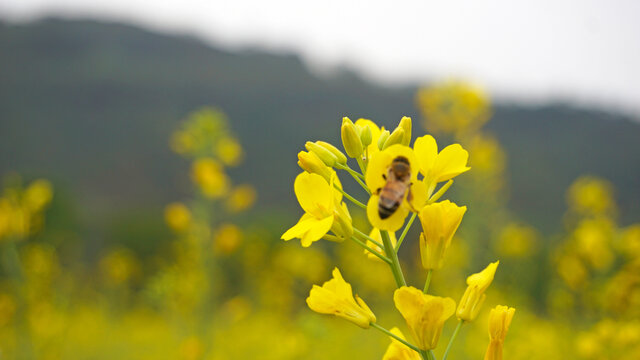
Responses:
[439,166]
[227,239]
[323,210]
[37,195]
[474,295]
[375,235]
[439,223]
[336,297]
[177,216]
[425,314]
[229,151]
[377,171]
[398,350]
[241,198]
[208,174]
[499,320]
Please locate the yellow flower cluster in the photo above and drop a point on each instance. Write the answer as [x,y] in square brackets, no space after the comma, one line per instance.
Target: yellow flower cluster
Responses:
[399,180]
[21,209]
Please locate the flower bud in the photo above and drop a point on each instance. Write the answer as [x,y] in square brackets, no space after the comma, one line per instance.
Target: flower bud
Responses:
[384,135]
[311,163]
[350,138]
[325,155]
[474,295]
[395,138]
[342,224]
[405,124]
[340,157]
[365,136]
[439,223]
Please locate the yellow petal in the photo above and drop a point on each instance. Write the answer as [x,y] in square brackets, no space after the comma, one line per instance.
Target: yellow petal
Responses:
[392,223]
[426,151]
[450,162]
[314,194]
[317,230]
[299,229]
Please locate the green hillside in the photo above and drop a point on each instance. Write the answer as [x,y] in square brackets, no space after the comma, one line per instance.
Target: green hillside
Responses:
[91,106]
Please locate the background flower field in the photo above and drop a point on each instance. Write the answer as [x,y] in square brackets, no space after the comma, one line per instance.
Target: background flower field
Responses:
[142,207]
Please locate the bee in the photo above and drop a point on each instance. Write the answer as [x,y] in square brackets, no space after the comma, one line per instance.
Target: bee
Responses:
[398,182]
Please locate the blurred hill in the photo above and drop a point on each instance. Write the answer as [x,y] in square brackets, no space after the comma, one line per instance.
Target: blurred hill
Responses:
[91,106]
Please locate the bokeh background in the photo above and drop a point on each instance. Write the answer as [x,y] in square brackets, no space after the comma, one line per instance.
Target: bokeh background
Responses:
[148,151]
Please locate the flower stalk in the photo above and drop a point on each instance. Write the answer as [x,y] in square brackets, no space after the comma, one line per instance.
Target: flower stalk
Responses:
[395,263]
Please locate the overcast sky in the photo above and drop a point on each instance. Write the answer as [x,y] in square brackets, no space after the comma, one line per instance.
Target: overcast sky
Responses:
[586,51]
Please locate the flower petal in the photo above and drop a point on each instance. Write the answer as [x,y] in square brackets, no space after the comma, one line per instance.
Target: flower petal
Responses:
[317,230]
[392,223]
[299,229]
[314,194]
[451,162]
[426,150]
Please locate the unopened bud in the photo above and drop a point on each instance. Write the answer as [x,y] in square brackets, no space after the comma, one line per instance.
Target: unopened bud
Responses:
[384,135]
[395,138]
[405,124]
[365,136]
[342,225]
[350,138]
[325,155]
[311,163]
[340,157]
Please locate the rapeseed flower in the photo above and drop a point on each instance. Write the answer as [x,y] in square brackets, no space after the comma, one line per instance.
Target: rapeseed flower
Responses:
[398,350]
[376,178]
[425,314]
[474,295]
[177,216]
[499,320]
[439,223]
[323,208]
[336,297]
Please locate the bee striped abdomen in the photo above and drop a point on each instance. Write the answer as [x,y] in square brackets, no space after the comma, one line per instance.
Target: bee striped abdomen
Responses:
[393,192]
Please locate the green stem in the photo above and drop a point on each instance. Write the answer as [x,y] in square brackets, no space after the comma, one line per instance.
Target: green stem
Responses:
[367,237]
[351,198]
[453,337]
[350,170]
[395,263]
[389,333]
[406,230]
[440,192]
[426,283]
[382,257]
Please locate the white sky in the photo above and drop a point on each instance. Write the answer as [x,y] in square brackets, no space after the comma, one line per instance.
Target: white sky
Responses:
[586,51]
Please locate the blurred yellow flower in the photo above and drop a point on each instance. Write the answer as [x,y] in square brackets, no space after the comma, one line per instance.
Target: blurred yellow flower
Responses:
[425,314]
[572,270]
[590,195]
[177,216]
[209,175]
[37,195]
[229,151]
[119,265]
[516,240]
[376,178]
[453,107]
[474,295]
[439,223]
[227,239]
[398,350]
[375,235]
[241,198]
[323,210]
[499,320]
[336,297]
[593,241]
[7,308]
[191,348]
